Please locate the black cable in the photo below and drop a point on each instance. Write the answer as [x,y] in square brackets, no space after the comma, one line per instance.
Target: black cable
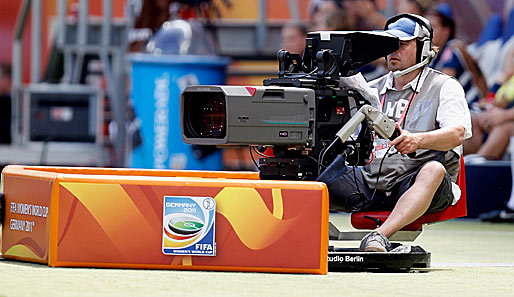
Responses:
[300,75]
[323,152]
[354,171]
[316,160]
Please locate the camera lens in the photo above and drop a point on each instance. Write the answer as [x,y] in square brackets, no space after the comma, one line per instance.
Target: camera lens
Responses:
[205,115]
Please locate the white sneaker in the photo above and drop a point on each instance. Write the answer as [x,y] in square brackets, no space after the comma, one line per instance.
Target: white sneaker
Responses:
[375,242]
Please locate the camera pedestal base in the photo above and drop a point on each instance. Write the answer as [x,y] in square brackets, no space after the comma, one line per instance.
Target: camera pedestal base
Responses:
[351,259]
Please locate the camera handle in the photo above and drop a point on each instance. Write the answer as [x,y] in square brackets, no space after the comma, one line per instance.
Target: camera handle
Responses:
[377,121]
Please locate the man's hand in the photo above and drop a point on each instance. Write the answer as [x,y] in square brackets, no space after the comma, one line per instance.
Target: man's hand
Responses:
[406,142]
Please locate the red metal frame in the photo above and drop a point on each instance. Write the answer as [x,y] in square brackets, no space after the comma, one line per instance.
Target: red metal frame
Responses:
[455,211]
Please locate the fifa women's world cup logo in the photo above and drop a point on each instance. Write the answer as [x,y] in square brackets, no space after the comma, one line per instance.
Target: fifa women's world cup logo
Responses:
[188,226]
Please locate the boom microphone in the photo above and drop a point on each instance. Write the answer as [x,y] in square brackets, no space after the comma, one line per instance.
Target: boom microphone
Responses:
[427,60]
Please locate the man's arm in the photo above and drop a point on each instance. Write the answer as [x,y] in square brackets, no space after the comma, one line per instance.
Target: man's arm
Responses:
[443,139]
[453,118]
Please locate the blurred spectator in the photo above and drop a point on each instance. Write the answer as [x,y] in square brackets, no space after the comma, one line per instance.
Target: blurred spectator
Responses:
[500,86]
[322,6]
[334,20]
[5,103]
[368,14]
[319,8]
[293,38]
[453,58]
[419,7]
[365,13]
[153,14]
[495,123]
[495,119]
[443,25]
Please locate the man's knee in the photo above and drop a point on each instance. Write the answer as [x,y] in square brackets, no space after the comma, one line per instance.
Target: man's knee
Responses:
[432,171]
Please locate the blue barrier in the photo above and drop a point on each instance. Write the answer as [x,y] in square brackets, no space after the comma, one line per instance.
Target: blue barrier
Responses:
[488,186]
[157,81]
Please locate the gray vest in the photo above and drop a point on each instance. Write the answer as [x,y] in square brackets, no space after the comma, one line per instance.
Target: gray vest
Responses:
[421,117]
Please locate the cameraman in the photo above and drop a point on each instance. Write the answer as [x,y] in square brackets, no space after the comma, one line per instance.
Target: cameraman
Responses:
[433,117]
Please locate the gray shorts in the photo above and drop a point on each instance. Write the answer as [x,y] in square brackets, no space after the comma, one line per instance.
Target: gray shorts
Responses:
[349,192]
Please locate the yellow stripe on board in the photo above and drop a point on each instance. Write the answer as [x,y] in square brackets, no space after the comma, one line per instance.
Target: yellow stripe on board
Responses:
[278,203]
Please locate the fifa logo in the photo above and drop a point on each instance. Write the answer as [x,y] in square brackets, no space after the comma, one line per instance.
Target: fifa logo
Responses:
[188,226]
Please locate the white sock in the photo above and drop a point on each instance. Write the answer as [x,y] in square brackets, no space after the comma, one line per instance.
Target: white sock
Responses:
[510,203]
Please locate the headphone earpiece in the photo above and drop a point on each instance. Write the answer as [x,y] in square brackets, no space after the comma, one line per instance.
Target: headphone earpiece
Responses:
[426,51]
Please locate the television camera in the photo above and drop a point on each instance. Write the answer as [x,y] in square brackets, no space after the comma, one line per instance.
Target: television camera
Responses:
[299,113]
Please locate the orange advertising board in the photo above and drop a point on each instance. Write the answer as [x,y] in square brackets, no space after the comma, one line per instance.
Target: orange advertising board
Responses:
[90,217]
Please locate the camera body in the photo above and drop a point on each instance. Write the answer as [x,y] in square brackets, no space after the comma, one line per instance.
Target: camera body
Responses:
[298,114]
[298,122]
[220,115]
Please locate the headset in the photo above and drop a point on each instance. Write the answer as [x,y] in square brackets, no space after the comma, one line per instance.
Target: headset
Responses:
[424,42]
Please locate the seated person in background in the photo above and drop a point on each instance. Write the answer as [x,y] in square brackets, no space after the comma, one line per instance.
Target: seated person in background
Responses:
[498,124]
[365,13]
[414,6]
[318,8]
[151,17]
[368,13]
[433,117]
[293,38]
[453,58]
[333,20]
[495,120]
[502,77]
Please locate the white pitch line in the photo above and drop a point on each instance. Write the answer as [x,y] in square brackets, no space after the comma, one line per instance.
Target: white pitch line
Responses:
[471,264]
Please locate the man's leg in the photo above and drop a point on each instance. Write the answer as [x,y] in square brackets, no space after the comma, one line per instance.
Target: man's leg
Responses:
[416,200]
[347,188]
